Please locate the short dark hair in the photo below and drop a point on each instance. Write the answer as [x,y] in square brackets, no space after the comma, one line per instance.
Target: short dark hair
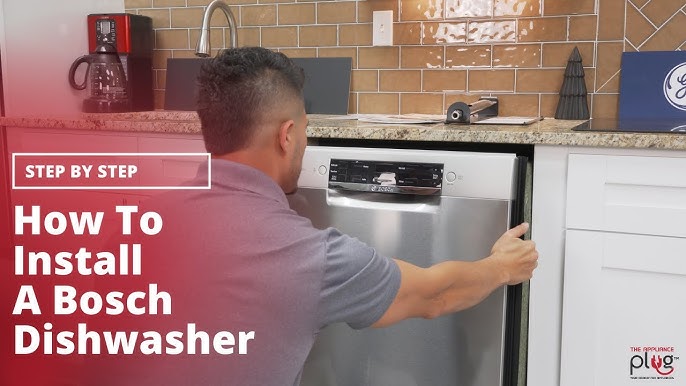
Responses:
[234,90]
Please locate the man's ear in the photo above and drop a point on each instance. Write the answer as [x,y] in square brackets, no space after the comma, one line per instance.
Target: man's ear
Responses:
[286,135]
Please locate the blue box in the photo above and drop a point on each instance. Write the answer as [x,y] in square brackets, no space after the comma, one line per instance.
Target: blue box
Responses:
[653,86]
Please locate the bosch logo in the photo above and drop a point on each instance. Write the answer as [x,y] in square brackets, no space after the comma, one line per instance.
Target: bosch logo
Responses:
[675,87]
[382,189]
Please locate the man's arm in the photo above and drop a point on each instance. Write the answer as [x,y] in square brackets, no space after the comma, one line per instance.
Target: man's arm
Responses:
[455,285]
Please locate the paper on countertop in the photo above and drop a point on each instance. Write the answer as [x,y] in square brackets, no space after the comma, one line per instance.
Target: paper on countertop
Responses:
[386,118]
[508,121]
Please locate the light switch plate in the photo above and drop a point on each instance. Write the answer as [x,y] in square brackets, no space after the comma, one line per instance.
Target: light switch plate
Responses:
[382,28]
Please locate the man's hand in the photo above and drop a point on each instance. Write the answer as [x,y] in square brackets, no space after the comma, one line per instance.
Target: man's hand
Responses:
[514,257]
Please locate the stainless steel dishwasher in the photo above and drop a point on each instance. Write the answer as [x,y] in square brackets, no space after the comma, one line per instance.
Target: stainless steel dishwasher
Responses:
[423,207]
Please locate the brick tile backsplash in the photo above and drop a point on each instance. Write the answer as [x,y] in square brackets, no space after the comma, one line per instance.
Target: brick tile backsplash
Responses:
[444,50]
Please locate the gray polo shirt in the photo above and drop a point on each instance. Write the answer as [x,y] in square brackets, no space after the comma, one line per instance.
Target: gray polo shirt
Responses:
[250,263]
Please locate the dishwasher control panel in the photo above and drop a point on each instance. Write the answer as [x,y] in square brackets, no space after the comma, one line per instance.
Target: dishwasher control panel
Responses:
[409,171]
[385,177]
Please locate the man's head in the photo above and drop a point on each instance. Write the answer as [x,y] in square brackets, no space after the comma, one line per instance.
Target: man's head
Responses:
[251,109]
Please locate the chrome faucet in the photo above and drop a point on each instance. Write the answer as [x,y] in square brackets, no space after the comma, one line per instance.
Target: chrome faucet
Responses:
[203,48]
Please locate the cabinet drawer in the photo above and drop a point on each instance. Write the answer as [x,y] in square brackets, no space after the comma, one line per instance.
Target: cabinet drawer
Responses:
[632,194]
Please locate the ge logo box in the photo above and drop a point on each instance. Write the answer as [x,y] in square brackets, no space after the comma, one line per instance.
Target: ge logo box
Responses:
[653,86]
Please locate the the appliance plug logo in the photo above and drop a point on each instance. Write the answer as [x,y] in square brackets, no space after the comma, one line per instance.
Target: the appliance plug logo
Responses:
[652,362]
[675,87]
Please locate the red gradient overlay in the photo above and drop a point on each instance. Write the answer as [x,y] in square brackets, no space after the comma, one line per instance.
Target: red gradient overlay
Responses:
[79,248]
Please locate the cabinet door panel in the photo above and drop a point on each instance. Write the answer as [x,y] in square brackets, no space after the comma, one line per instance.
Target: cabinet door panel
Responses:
[621,291]
[633,194]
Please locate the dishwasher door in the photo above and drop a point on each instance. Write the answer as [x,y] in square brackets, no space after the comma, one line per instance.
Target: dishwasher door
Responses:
[465,348]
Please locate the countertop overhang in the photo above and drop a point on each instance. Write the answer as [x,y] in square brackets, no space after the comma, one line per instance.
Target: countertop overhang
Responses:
[546,132]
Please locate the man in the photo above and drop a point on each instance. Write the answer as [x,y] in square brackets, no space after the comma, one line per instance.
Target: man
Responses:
[250,263]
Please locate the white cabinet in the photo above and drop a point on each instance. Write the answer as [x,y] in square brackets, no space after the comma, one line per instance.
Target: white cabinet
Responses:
[625,269]
[622,293]
[610,226]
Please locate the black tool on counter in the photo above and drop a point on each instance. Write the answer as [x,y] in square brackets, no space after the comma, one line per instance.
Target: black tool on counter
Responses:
[460,112]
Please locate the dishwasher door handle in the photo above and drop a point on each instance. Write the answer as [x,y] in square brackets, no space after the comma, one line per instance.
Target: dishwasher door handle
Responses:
[393,189]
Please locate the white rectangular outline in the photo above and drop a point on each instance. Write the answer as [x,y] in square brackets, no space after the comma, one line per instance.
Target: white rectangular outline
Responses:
[86,187]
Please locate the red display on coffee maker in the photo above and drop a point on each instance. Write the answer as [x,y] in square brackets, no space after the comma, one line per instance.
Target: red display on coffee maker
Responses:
[131,36]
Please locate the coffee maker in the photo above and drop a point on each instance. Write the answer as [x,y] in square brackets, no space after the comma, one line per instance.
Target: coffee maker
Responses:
[131,36]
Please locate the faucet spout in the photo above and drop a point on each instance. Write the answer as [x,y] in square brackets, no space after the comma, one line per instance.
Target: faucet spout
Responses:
[203,48]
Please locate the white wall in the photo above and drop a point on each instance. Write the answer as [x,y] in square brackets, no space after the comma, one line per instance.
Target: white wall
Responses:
[39,41]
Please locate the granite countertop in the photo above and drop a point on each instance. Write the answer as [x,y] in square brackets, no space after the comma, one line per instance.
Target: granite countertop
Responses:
[548,131]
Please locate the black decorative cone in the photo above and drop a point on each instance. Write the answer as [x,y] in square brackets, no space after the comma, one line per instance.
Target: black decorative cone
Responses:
[573,103]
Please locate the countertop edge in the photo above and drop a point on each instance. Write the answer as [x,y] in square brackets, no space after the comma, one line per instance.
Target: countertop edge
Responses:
[546,132]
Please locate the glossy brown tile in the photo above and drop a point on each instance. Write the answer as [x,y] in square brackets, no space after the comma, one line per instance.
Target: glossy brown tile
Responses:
[339,52]
[501,31]
[364,80]
[247,36]
[129,4]
[160,79]
[168,3]
[378,103]
[583,27]
[216,39]
[188,17]
[422,57]
[299,52]
[444,80]
[280,36]
[378,57]
[421,10]
[158,99]
[557,54]
[159,59]
[355,34]
[421,103]
[491,80]
[352,103]
[566,7]
[160,17]
[669,37]
[400,80]
[318,36]
[441,32]
[463,9]
[659,11]
[609,61]
[468,56]
[523,105]
[548,104]
[516,8]
[544,29]
[365,9]
[605,106]
[258,15]
[330,12]
[297,14]
[611,19]
[517,55]
[638,28]
[171,38]
[407,33]
[540,80]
